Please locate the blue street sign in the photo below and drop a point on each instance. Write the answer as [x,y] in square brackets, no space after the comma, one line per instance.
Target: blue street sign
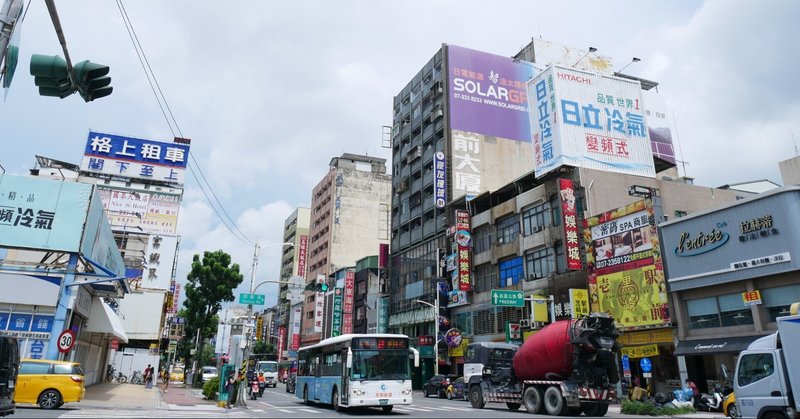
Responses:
[626,363]
[646,365]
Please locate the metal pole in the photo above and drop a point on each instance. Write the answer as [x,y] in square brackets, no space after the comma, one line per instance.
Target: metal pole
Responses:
[51,7]
[436,332]
[246,354]
[196,355]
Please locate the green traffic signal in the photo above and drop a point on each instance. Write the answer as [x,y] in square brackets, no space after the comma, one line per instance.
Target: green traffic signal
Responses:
[91,80]
[51,75]
[322,287]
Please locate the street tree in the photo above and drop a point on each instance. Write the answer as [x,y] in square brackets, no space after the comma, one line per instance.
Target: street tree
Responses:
[211,282]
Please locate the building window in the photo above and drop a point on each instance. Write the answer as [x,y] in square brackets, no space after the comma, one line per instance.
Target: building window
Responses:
[555,205]
[507,229]
[481,240]
[561,260]
[539,263]
[464,322]
[535,219]
[721,311]
[484,277]
[778,300]
[511,271]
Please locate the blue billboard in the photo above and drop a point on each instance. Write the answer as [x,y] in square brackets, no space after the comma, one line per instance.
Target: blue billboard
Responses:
[42,213]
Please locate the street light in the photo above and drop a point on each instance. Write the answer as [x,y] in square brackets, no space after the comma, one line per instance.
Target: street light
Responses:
[435,307]
[249,335]
[591,50]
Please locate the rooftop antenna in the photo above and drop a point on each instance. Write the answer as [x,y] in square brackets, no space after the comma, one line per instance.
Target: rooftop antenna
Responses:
[678,140]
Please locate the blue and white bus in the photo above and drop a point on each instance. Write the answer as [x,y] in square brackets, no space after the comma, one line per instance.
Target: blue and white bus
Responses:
[357,370]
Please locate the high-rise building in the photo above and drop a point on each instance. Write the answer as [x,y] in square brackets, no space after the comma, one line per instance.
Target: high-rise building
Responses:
[348,220]
[293,264]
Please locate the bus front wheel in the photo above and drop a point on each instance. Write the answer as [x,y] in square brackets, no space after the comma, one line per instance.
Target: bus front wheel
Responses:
[305,396]
[335,401]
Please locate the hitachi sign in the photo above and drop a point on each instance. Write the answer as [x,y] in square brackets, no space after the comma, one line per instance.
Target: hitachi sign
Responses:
[492,91]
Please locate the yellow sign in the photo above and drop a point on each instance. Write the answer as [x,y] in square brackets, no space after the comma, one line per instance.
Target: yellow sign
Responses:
[539,309]
[634,298]
[644,337]
[579,300]
[751,297]
[460,349]
[640,351]
[259,326]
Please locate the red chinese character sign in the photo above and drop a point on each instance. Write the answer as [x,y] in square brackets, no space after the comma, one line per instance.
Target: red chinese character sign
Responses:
[347,306]
[569,216]
[463,239]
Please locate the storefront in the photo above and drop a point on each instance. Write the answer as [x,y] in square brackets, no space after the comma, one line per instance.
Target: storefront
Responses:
[658,345]
[57,258]
[731,271]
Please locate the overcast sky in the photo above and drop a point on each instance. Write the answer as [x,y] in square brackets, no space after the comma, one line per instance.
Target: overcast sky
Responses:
[269,92]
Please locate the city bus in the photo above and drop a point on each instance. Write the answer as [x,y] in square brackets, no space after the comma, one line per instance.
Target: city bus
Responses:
[357,370]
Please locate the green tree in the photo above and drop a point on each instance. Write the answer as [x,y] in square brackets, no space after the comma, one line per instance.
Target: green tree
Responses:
[210,283]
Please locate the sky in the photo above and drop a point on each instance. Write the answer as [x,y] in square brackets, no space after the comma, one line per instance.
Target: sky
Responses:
[269,92]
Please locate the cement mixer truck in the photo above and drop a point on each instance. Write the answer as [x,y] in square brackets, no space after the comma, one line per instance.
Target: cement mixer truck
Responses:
[566,368]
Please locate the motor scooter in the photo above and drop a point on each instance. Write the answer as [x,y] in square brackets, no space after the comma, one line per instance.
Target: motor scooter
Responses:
[711,402]
[254,388]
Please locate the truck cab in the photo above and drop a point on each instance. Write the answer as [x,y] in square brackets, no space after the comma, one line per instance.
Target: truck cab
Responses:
[487,358]
[767,379]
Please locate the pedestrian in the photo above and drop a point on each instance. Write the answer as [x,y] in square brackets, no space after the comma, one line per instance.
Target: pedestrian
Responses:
[148,377]
[695,392]
[166,378]
[229,388]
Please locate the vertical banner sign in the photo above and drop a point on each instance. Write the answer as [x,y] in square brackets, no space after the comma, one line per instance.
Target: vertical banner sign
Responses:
[319,306]
[281,334]
[301,256]
[259,328]
[439,179]
[347,306]
[463,238]
[336,322]
[298,316]
[579,301]
[540,310]
[383,255]
[176,298]
[570,220]
[626,274]
[383,315]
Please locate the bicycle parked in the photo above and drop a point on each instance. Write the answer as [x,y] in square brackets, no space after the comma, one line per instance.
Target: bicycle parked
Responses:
[137,378]
[113,375]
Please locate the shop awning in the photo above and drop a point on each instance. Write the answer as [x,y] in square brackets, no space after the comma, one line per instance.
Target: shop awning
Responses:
[713,346]
[104,320]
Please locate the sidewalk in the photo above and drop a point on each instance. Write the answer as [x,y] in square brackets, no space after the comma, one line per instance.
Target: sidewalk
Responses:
[177,394]
[127,396]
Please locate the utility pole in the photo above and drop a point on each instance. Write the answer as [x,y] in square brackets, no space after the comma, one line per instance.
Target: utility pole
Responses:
[248,335]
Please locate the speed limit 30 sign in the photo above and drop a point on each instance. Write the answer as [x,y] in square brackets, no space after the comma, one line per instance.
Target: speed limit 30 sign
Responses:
[66,340]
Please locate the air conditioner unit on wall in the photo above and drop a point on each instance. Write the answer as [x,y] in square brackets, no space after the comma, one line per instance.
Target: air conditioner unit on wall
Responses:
[537,229]
[525,323]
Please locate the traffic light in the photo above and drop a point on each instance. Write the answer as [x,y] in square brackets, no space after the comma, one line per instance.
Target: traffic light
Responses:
[91,80]
[316,287]
[50,74]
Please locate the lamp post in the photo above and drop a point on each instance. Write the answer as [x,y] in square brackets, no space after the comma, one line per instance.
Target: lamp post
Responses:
[435,307]
[249,334]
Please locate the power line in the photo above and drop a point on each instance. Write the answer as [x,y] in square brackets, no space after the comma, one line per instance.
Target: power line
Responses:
[155,85]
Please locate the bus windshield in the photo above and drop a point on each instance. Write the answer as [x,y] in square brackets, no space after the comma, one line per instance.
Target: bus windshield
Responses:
[386,364]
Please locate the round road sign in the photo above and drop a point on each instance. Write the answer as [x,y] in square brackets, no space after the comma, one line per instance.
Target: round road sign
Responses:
[66,340]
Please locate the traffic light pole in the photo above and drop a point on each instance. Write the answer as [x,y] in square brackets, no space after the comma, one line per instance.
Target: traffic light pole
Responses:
[51,7]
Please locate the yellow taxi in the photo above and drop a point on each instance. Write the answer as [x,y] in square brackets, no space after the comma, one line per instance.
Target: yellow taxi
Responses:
[176,374]
[49,383]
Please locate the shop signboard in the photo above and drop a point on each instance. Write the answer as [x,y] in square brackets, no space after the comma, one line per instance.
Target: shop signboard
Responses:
[463,238]
[626,276]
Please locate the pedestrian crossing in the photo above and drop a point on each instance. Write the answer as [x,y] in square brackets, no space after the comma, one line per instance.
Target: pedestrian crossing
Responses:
[148,413]
[397,408]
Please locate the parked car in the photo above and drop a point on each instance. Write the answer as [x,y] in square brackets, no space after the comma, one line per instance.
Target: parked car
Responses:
[437,386]
[176,374]
[209,373]
[9,367]
[48,383]
[456,389]
[290,383]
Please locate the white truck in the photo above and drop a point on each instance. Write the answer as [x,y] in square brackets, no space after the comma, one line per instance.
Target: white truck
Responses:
[767,379]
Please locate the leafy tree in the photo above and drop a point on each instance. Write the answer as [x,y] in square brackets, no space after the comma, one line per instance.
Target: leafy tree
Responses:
[210,283]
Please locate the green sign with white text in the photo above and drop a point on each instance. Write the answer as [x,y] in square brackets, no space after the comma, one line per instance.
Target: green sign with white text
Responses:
[508,298]
[253,299]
